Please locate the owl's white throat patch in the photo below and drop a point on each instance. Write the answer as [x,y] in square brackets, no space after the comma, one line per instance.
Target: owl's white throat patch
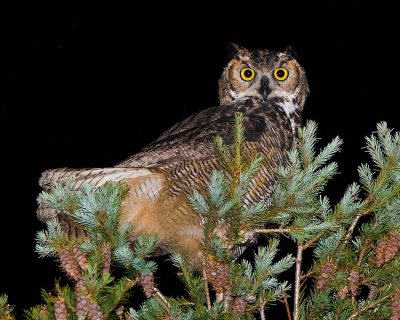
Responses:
[287,100]
[287,104]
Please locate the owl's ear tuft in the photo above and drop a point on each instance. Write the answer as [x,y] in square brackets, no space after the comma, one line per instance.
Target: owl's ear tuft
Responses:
[233,49]
[291,50]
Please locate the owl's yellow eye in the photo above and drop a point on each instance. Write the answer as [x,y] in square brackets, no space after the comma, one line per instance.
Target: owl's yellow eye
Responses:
[247,74]
[281,74]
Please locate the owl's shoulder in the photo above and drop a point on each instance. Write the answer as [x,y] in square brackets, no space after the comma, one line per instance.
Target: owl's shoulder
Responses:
[193,138]
[257,115]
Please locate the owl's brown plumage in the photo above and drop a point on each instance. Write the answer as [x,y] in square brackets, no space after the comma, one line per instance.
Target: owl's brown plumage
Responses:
[162,175]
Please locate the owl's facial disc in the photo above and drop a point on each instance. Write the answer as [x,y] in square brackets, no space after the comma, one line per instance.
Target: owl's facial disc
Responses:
[266,75]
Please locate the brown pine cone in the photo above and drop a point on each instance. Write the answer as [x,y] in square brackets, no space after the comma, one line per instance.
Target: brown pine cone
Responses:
[239,306]
[68,264]
[380,252]
[354,282]
[218,276]
[393,247]
[95,312]
[80,257]
[386,249]
[60,311]
[395,239]
[395,307]
[147,282]
[390,252]
[82,305]
[326,272]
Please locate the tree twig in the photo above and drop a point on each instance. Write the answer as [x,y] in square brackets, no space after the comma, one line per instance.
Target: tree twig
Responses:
[287,308]
[208,299]
[310,242]
[299,259]
[354,224]
[262,311]
[162,298]
[276,230]
[307,275]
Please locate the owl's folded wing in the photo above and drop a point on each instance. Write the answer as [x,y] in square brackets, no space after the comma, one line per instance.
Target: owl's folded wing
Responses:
[193,138]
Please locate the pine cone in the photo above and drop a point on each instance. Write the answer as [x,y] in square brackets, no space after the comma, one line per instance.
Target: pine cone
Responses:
[395,307]
[390,252]
[393,247]
[380,252]
[95,312]
[239,306]
[82,305]
[354,282]
[386,249]
[68,264]
[147,282]
[80,257]
[218,276]
[105,249]
[326,272]
[60,311]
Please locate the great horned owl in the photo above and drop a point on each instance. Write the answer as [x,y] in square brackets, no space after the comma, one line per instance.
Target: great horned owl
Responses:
[268,87]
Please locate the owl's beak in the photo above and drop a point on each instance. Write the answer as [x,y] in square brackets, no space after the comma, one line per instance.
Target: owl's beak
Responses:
[264,87]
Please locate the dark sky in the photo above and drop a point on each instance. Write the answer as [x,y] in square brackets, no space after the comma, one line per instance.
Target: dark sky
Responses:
[88,86]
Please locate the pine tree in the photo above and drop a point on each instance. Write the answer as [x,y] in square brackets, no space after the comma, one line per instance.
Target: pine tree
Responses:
[354,272]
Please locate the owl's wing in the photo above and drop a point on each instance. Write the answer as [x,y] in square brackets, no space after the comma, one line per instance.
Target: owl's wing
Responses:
[193,138]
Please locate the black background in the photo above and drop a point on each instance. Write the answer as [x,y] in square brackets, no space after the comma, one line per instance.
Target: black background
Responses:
[88,86]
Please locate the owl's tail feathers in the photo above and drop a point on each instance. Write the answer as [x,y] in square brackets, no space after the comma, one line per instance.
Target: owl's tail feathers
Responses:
[76,178]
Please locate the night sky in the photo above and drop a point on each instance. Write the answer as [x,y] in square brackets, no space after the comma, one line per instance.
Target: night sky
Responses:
[89,86]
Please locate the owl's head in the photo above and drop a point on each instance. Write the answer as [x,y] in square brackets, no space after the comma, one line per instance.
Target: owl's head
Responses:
[267,75]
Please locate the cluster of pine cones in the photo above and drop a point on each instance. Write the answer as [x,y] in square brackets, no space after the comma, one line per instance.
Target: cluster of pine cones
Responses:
[73,261]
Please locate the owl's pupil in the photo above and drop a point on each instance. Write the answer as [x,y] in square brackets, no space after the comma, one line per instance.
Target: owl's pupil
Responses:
[248,73]
[280,73]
